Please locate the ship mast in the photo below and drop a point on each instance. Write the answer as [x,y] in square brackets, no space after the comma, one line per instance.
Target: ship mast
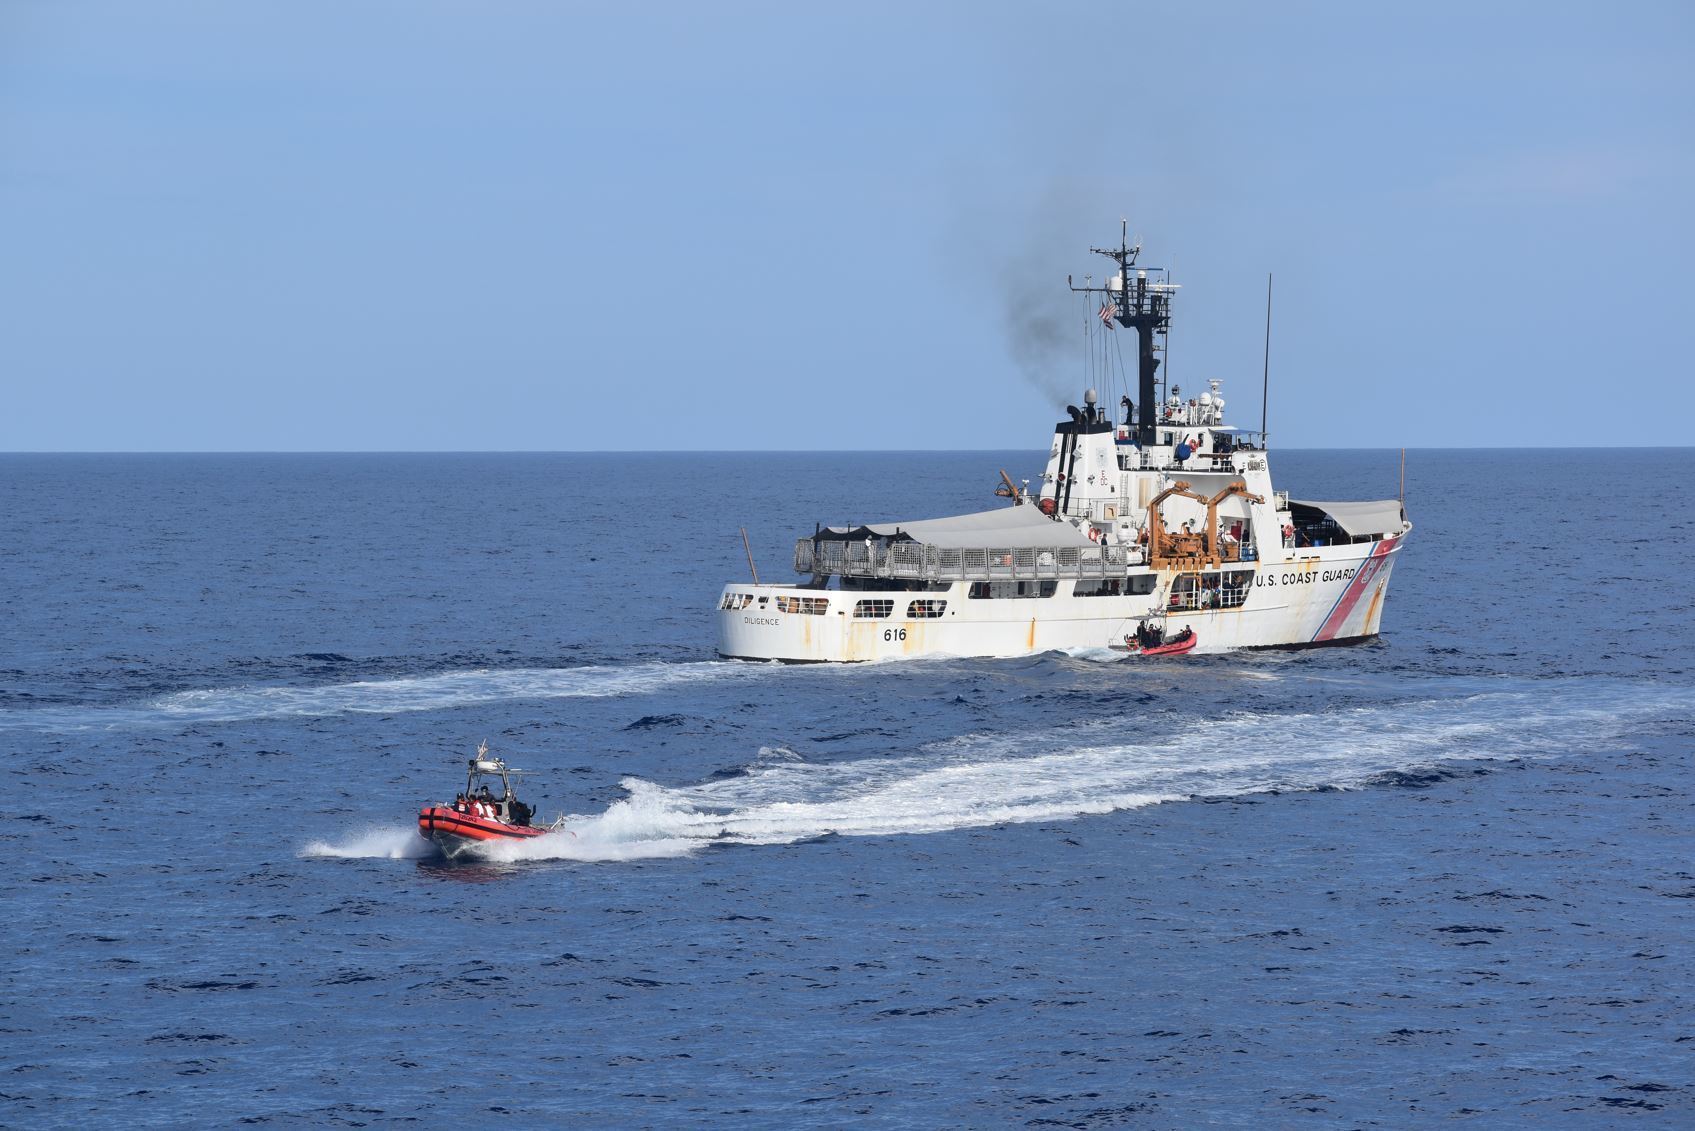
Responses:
[1144,306]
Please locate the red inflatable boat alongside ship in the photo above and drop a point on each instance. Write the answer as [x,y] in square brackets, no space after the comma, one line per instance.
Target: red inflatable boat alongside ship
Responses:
[1184,641]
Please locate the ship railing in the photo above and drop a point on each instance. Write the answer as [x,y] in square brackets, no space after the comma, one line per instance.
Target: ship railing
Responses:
[1202,600]
[918,561]
[1162,459]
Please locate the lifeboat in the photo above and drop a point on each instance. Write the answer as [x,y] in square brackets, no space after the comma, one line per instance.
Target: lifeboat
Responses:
[480,815]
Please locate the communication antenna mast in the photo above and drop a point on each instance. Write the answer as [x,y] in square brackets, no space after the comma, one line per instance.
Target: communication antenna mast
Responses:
[1143,304]
[1265,374]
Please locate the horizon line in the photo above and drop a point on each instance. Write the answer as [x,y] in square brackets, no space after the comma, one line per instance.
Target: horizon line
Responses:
[770,451]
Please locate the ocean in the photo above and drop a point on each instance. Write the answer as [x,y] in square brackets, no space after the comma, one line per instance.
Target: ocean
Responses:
[1448,874]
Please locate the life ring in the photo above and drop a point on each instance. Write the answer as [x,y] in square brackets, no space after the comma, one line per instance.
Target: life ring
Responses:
[1094,534]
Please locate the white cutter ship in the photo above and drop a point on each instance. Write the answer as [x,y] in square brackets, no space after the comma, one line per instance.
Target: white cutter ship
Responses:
[1156,535]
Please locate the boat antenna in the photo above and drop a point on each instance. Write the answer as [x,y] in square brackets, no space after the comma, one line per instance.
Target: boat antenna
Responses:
[1265,373]
[482,748]
[753,569]
[1165,336]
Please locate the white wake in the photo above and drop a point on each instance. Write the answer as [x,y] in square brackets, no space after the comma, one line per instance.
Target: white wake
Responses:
[440,691]
[1097,767]
[373,843]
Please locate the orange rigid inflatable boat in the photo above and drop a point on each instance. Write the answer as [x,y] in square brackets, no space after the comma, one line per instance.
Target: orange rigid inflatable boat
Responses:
[1184,641]
[1150,639]
[479,815]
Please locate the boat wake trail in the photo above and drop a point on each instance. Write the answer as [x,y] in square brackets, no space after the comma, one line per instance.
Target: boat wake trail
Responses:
[436,692]
[982,780]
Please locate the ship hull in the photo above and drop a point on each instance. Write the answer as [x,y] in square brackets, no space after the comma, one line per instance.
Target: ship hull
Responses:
[1321,595]
[454,832]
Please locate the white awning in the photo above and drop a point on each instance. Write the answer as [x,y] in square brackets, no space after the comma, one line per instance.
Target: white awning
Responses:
[1381,516]
[1013,528]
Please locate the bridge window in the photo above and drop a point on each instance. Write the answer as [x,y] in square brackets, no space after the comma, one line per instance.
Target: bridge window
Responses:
[806,606]
[735,601]
[926,610]
[873,610]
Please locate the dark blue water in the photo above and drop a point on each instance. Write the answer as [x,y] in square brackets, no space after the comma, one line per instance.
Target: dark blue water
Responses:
[1445,874]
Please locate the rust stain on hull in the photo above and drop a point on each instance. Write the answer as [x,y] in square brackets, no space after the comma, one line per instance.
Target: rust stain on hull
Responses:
[1374,614]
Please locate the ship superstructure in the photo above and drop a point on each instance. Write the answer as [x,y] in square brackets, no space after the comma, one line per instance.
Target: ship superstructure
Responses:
[1142,529]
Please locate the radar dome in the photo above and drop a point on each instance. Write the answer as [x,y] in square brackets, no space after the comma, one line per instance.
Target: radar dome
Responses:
[1089,397]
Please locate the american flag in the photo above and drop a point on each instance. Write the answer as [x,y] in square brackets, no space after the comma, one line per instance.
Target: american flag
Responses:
[1108,313]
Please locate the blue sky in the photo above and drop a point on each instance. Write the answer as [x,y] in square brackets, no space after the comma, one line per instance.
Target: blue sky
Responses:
[419,226]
